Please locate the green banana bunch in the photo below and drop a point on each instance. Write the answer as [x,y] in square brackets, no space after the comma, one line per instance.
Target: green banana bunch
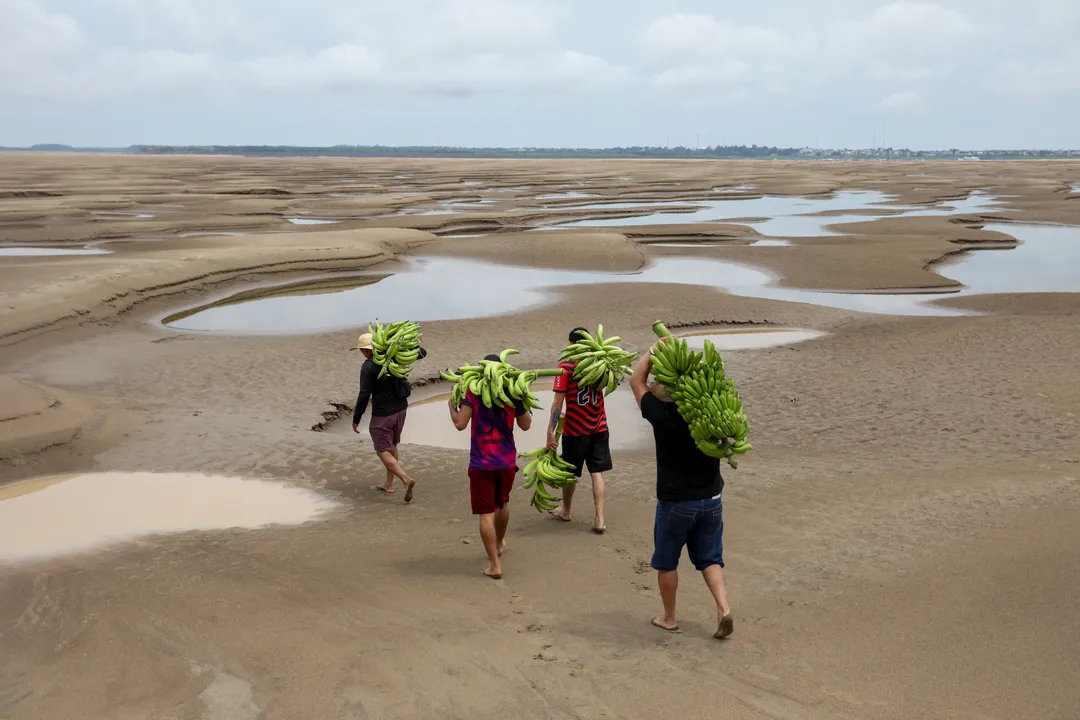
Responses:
[707,400]
[600,363]
[496,382]
[395,347]
[547,469]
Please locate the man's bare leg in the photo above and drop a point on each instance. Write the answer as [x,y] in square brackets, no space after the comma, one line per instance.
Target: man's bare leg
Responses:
[669,585]
[393,467]
[394,452]
[502,519]
[563,511]
[714,578]
[489,535]
[389,485]
[598,501]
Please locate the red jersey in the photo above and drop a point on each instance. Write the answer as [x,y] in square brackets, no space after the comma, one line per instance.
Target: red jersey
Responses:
[585,414]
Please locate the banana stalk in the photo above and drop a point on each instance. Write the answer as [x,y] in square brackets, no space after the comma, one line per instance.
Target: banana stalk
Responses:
[705,397]
[545,470]
[395,347]
[496,382]
[599,362]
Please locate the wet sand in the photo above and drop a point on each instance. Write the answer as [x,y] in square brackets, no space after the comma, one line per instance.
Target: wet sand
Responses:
[902,541]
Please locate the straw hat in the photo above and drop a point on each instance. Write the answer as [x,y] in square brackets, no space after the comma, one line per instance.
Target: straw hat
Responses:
[363,342]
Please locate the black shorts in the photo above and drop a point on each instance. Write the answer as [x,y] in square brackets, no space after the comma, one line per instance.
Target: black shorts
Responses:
[591,450]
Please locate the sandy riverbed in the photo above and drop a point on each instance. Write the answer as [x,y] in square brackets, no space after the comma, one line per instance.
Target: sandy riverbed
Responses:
[904,540]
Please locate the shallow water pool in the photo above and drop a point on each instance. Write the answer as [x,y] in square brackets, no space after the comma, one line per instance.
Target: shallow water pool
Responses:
[439,288]
[50,251]
[312,221]
[749,339]
[68,514]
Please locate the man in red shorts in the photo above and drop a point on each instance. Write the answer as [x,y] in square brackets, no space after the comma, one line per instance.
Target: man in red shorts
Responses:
[492,467]
[584,438]
[389,398]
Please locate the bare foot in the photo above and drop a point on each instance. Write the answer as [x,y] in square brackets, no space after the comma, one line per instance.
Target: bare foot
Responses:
[502,548]
[725,627]
[409,491]
[493,574]
[664,624]
[559,514]
[598,527]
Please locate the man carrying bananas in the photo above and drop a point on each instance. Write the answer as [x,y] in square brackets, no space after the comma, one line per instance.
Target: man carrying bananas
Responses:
[389,398]
[492,466]
[688,508]
[585,436]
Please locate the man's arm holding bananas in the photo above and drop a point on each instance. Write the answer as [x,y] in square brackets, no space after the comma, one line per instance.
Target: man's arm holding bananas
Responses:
[460,415]
[553,420]
[639,379]
[367,385]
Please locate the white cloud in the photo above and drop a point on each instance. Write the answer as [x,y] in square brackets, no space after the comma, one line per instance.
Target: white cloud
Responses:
[456,47]
[1042,77]
[32,37]
[629,68]
[908,101]
[897,43]
[342,67]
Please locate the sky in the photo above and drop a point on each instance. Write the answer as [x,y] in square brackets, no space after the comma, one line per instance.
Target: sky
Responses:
[542,73]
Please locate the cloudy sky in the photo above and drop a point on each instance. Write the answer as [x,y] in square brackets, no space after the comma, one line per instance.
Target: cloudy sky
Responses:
[825,73]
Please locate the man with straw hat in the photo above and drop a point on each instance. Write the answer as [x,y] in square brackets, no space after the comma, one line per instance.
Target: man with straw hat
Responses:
[389,398]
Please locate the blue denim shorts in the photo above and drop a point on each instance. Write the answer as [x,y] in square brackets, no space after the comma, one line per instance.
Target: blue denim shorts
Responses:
[698,524]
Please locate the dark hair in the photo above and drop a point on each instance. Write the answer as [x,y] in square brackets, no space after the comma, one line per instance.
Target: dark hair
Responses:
[576,334]
[493,357]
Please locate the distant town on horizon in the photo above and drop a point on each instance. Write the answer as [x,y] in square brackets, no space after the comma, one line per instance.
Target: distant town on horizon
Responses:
[710,152]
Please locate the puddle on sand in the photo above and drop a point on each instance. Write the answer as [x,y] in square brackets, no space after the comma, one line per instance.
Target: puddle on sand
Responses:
[793,216]
[771,206]
[626,205]
[572,195]
[312,221]
[1047,260]
[976,202]
[49,251]
[321,287]
[444,289]
[471,202]
[694,245]
[122,215]
[208,233]
[428,423]
[749,339]
[75,513]
[773,243]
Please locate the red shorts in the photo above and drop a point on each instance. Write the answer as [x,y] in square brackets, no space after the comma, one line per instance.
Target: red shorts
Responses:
[490,489]
[386,431]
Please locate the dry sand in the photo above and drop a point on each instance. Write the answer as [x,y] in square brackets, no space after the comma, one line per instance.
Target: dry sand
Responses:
[903,542]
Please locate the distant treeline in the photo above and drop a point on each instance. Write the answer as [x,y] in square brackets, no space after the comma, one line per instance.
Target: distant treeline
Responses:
[433,151]
[428,151]
[717,152]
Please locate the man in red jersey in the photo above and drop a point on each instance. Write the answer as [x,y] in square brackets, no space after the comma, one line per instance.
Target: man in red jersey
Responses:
[585,436]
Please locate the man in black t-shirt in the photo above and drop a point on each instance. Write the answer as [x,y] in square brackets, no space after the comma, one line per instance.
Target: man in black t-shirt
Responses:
[688,508]
[389,398]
